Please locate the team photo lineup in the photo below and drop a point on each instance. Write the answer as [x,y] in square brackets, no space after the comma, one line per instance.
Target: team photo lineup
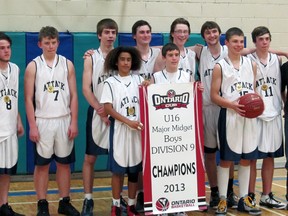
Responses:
[165,117]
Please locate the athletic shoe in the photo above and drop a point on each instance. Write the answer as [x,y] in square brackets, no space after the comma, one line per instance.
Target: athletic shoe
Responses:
[214,199]
[6,210]
[87,209]
[123,204]
[180,214]
[246,204]
[140,202]
[222,207]
[270,202]
[252,196]
[232,200]
[66,208]
[43,208]
[131,211]
[115,211]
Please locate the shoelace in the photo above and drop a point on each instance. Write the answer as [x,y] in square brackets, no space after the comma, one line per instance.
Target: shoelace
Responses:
[249,202]
[271,199]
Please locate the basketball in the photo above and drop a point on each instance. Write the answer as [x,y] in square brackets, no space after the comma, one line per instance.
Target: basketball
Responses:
[253,105]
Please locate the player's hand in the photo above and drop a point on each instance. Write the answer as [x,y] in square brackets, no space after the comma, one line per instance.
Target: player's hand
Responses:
[145,83]
[200,86]
[20,129]
[238,108]
[101,111]
[106,120]
[135,125]
[34,134]
[72,131]
[88,53]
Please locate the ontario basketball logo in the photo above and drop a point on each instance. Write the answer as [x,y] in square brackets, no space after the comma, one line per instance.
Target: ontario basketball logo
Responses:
[162,204]
[171,100]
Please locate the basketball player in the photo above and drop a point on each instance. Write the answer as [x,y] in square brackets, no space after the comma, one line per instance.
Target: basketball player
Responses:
[268,85]
[121,102]
[10,124]
[179,34]
[97,125]
[50,84]
[141,32]
[237,136]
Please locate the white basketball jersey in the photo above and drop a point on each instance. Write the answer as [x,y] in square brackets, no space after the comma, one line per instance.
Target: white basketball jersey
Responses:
[9,84]
[236,83]
[206,66]
[147,66]
[164,77]
[55,102]
[98,75]
[187,63]
[269,75]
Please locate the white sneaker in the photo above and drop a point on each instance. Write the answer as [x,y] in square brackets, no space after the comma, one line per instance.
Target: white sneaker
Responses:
[270,202]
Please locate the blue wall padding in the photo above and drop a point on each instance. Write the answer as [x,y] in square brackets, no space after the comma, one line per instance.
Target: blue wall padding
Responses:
[18,57]
[32,50]
[126,39]
[194,38]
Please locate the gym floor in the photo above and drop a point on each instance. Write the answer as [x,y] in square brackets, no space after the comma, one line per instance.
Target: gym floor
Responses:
[22,196]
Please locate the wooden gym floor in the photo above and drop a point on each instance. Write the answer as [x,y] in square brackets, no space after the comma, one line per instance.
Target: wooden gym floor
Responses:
[23,199]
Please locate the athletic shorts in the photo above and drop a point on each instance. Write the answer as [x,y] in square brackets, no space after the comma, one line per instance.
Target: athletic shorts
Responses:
[237,136]
[54,142]
[270,141]
[8,154]
[210,120]
[97,134]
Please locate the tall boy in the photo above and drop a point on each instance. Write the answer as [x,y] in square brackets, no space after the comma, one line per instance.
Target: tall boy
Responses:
[237,134]
[50,84]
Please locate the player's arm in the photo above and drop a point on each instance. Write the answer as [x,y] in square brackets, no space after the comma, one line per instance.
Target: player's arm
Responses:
[254,68]
[159,63]
[197,48]
[284,81]
[29,82]
[20,128]
[215,89]
[73,129]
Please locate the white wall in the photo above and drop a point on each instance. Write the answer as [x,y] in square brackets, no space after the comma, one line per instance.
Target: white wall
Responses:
[82,15]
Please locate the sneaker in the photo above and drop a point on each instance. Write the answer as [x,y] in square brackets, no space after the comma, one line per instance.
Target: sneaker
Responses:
[115,211]
[246,204]
[131,211]
[180,214]
[252,196]
[6,210]
[232,200]
[140,202]
[43,208]
[123,204]
[222,207]
[270,202]
[66,208]
[87,209]
[214,200]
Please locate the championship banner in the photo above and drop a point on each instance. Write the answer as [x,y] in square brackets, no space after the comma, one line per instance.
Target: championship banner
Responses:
[172,148]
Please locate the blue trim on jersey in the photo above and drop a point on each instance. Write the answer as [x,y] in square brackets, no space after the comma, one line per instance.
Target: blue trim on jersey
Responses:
[91,147]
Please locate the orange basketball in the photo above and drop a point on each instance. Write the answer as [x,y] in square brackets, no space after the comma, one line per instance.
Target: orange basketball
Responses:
[253,105]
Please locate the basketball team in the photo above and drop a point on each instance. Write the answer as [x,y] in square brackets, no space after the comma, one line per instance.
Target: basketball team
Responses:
[111,77]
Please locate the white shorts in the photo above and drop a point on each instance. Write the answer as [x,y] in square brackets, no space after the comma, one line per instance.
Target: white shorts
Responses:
[210,120]
[270,138]
[8,154]
[54,138]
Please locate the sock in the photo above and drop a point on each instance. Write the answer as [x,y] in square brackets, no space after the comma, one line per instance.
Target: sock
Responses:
[214,189]
[131,202]
[230,186]
[88,196]
[243,178]
[223,176]
[116,202]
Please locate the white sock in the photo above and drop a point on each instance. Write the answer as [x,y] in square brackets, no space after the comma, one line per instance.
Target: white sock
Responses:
[223,178]
[88,196]
[131,202]
[116,202]
[243,178]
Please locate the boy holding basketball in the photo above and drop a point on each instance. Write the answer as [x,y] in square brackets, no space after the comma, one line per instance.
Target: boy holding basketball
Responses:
[234,76]
[268,84]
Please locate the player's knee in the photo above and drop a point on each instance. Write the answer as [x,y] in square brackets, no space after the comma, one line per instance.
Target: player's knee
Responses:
[133,177]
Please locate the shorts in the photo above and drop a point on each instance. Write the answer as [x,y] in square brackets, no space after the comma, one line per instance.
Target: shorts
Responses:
[210,120]
[237,136]
[270,144]
[8,154]
[97,134]
[54,142]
